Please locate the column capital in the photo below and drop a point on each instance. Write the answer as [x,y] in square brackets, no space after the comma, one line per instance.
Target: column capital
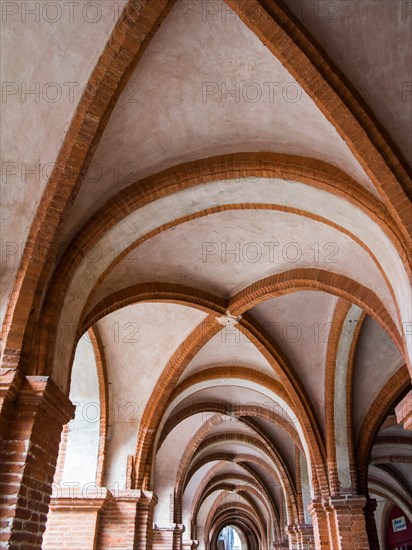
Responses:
[371,505]
[79,503]
[190,544]
[11,382]
[351,502]
[315,506]
[404,412]
[41,392]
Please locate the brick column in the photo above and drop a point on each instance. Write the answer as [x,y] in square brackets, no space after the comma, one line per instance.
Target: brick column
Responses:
[177,536]
[162,539]
[144,521]
[371,529]
[350,523]
[320,525]
[118,521]
[28,456]
[293,537]
[306,537]
[11,382]
[73,521]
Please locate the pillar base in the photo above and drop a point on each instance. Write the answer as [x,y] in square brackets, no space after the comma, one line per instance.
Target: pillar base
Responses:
[168,538]
[73,520]
[32,424]
[350,522]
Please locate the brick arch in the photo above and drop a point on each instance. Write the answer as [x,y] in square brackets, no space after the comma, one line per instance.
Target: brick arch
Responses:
[242,522]
[224,372]
[239,489]
[317,279]
[387,459]
[239,411]
[285,37]
[256,441]
[228,207]
[280,364]
[242,526]
[129,38]
[75,253]
[341,310]
[244,511]
[240,459]
[231,371]
[199,443]
[311,435]
[243,461]
[154,292]
[247,495]
[387,398]
[208,483]
[339,315]
[349,399]
[218,482]
[269,288]
[296,52]
[234,166]
[383,489]
[98,350]
[122,205]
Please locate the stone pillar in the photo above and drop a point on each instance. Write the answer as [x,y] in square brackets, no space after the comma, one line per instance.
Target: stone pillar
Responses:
[28,456]
[350,523]
[404,412]
[320,521]
[73,520]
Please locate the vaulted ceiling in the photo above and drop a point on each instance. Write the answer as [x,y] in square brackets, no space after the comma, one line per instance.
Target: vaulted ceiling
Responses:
[221,196]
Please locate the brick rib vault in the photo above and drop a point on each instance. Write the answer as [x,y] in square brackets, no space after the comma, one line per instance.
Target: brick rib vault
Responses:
[207,301]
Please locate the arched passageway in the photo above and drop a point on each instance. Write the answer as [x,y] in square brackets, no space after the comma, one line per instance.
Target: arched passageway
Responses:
[206,299]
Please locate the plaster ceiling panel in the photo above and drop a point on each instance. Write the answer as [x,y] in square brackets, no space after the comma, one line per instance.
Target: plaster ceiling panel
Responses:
[370,41]
[224,252]
[300,324]
[385,477]
[404,471]
[179,107]
[393,431]
[138,341]
[44,72]
[190,201]
[281,442]
[228,347]
[376,360]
